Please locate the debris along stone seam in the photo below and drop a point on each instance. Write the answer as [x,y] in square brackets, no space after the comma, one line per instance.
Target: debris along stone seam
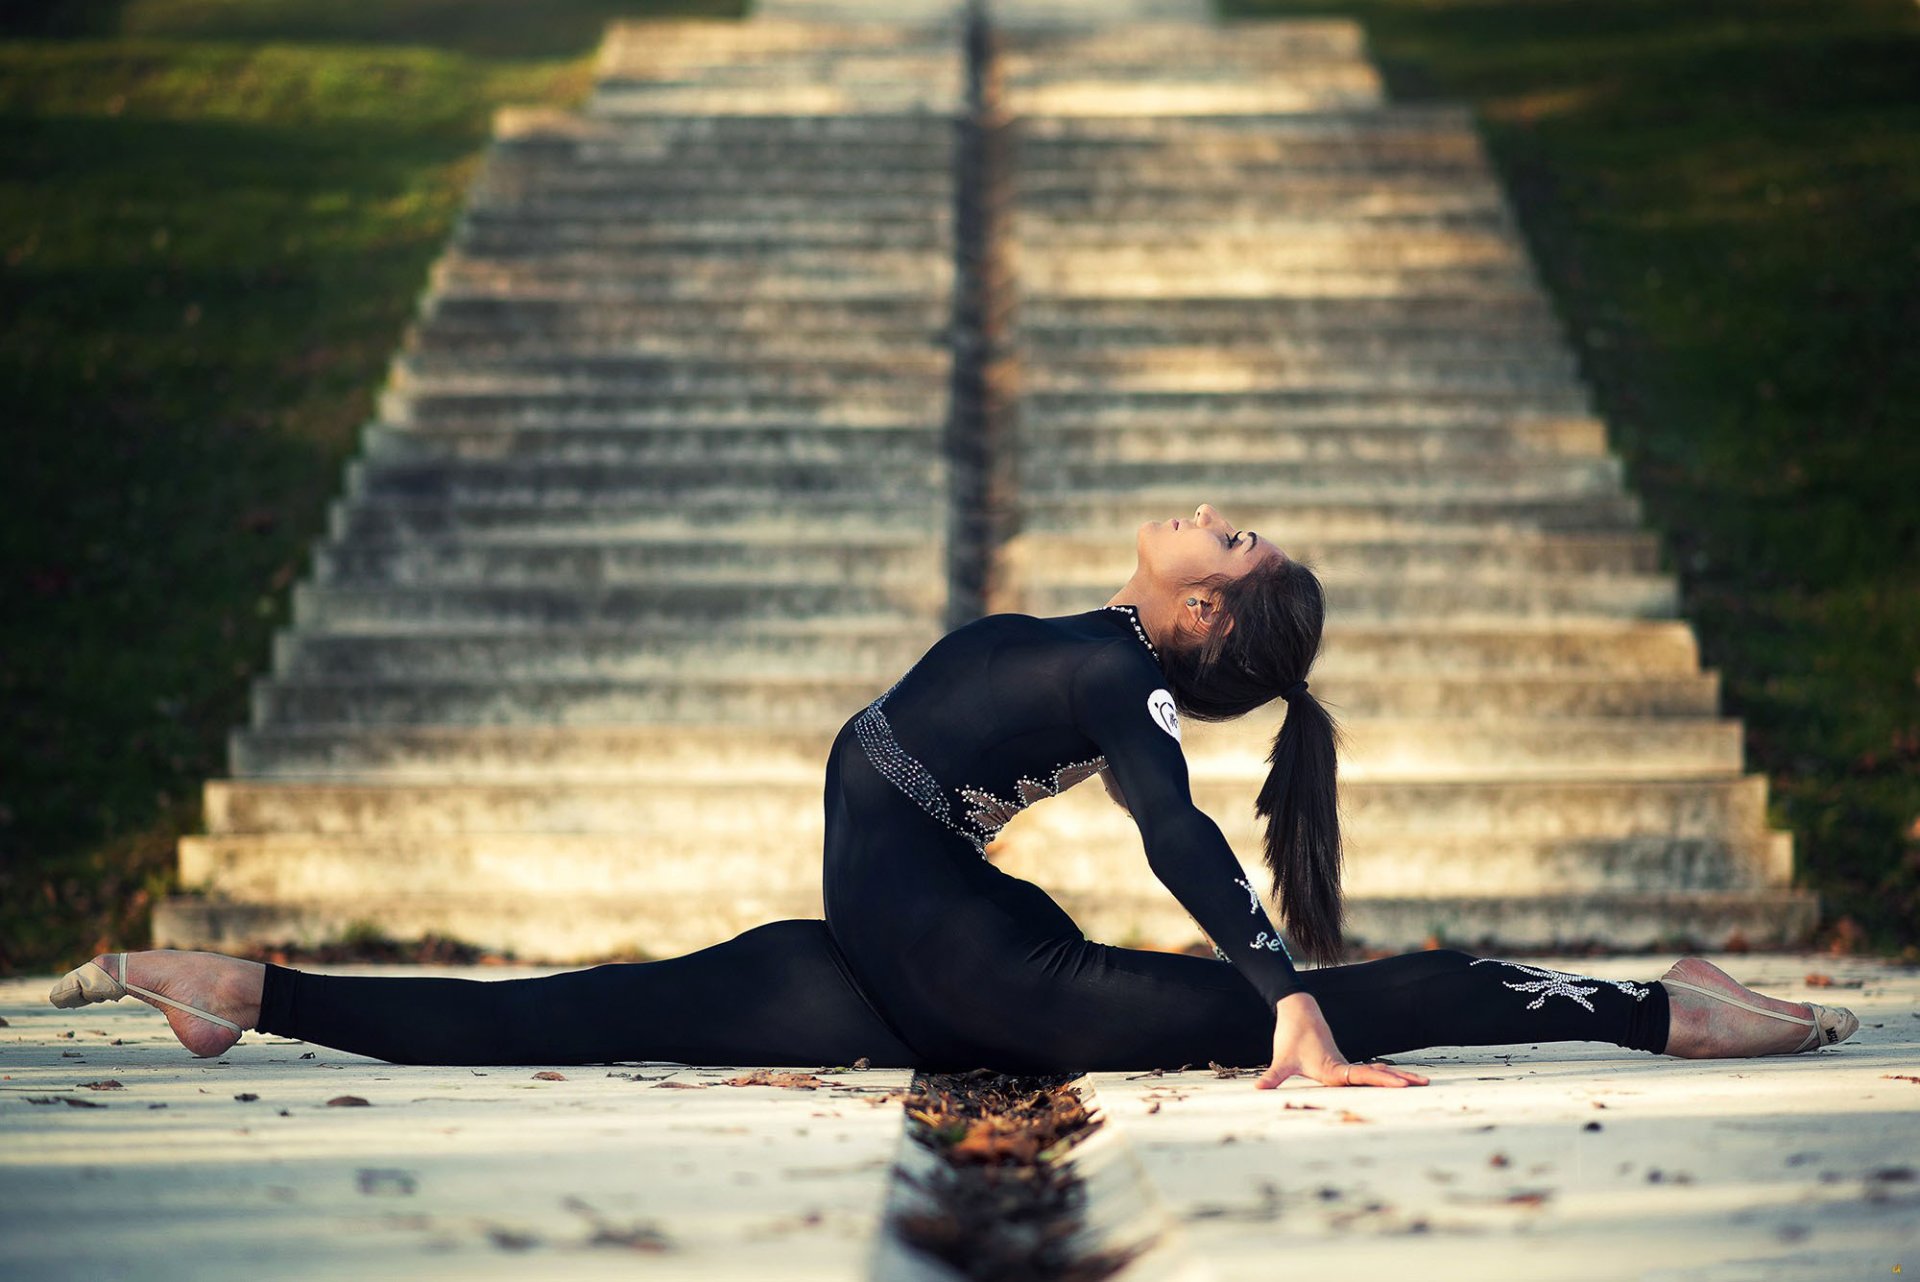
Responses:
[990,1182]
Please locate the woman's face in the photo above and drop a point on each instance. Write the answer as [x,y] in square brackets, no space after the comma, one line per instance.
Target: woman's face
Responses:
[1184,549]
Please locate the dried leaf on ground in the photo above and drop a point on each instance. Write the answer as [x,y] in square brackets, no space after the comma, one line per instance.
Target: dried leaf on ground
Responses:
[790,1081]
[548,1075]
[347,1101]
[105,1084]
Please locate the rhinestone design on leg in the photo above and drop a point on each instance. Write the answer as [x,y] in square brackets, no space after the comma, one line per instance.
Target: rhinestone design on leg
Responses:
[1559,983]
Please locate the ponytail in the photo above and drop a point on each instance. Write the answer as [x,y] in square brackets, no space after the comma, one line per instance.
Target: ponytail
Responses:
[1277,617]
[1303,827]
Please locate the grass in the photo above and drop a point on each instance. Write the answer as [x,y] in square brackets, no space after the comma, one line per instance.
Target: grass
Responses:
[215,216]
[1723,199]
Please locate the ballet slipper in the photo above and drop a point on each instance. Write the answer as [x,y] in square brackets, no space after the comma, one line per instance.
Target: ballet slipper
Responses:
[1825,1025]
[90,982]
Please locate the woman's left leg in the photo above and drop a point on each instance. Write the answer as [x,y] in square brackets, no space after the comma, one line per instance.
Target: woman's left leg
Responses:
[1068,1005]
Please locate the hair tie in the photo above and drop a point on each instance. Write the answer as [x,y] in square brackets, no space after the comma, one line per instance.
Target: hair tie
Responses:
[1297,688]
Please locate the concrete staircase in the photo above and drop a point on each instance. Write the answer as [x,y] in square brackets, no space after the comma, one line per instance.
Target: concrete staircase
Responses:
[654,500]
[1242,276]
[659,493]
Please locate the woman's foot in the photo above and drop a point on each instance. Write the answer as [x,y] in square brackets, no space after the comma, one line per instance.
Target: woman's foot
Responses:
[1700,1026]
[223,986]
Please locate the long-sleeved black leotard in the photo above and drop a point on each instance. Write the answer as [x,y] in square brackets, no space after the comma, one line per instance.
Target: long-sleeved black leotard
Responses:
[930,956]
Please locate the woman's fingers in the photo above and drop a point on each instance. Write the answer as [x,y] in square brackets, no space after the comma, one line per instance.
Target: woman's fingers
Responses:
[1381,1075]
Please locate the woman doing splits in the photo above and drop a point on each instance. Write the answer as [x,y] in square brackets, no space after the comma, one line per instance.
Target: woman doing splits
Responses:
[931,957]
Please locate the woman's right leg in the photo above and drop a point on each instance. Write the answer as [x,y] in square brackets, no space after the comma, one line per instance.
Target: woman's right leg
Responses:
[777,994]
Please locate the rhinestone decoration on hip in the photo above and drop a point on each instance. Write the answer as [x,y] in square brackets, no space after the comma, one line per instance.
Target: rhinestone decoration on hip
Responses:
[1558,983]
[990,813]
[986,813]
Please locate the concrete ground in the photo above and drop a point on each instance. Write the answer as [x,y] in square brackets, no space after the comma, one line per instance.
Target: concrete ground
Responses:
[1568,1160]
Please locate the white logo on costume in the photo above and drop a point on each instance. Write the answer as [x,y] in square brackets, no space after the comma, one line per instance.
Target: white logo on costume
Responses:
[1165,715]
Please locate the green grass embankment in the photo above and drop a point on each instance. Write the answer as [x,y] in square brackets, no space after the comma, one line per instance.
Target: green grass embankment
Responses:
[1723,199]
[215,218]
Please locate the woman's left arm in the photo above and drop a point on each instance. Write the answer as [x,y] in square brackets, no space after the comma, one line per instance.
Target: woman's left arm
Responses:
[1135,725]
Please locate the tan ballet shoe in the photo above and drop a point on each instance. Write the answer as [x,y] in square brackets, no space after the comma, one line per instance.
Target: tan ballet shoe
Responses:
[1825,1025]
[89,982]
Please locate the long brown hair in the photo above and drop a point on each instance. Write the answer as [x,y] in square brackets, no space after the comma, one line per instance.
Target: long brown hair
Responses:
[1277,615]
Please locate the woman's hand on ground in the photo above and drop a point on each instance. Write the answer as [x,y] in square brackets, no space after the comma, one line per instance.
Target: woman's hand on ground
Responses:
[1303,1044]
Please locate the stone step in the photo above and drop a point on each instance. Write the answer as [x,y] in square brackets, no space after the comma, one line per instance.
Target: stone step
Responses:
[881,650]
[1090,277]
[485,341]
[1341,517]
[880,96]
[556,314]
[527,226]
[796,700]
[604,151]
[542,754]
[665,182]
[1423,863]
[827,514]
[1045,350]
[1386,146]
[1561,749]
[1043,478]
[594,275]
[1282,373]
[539,481]
[1231,222]
[1379,814]
[1521,312]
[1059,558]
[1257,128]
[1365,595]
[582,931]
[523,128]
[522,372]
[1244,443]
[829,701]
[1670,920]
[1303,89]
[1252,217]
[1151,44]
[658,444]
[869,406]
[1324,401]
[832,271]
[1678,920]
[327,608]
[728,68]
[665,564]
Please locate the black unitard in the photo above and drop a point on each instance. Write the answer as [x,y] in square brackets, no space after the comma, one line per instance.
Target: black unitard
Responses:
[931,957]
